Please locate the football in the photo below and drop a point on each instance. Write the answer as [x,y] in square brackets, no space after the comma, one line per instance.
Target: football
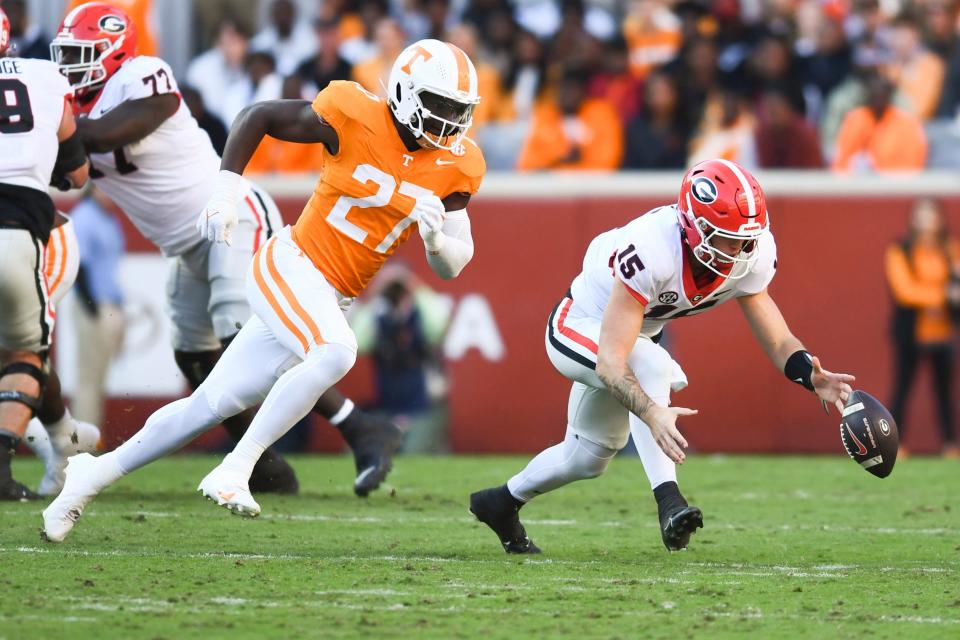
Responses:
[869,434]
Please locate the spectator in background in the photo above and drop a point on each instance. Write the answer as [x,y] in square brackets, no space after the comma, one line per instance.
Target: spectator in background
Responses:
[785,139]
[27,40]
[950,95]
[279,156]
[97,302]
[288,39]
[526,79]
[652,33]
[326,65]
[696,74]
[401,326]
[390,42]
[207,121]
[913,69]
[214,72]
[773,65]
[612,78]
[659,136]
[576,132]
[260,82]
[726,130]
[937,22]
[923,271]
[488,78]
[879,136]
[867,31]
[829,64]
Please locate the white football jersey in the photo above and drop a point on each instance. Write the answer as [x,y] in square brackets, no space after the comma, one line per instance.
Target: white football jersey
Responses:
[32,99]
[163,181]
[648,257]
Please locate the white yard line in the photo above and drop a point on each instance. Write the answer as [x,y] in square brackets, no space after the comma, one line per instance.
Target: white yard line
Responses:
[536,522]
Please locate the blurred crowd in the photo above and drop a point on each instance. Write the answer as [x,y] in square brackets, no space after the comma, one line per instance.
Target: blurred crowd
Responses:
[853,85]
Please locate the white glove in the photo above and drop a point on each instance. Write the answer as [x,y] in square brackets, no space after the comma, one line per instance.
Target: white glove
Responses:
[219,217]
[430,213]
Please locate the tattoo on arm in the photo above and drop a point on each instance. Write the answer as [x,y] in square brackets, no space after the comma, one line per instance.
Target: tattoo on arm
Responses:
[626,389]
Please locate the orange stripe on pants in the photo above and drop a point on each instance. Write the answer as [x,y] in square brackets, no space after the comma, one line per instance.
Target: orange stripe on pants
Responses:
[291,299]
[265,290]
[63,260]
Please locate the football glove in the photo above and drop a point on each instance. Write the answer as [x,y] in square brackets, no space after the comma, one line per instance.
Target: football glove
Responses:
[430,211]
[219,218]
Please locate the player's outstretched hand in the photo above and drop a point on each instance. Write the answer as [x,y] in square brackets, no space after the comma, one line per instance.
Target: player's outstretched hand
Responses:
[219,218]
[662,422]
[429,212]
[833,388]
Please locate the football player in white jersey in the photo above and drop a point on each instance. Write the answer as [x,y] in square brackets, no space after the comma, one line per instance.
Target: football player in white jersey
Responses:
[39,145]
[679,260]
[150,157]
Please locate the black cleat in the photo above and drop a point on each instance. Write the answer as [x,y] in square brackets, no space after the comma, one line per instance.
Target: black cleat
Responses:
[373,441]
[677,527]
[273,474]
[499,510]
[13,491]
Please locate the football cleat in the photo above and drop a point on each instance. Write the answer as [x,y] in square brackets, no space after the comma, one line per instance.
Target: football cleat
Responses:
[13,491]
[273,474]
[677,526]
[83,439]
[373,441]
[229,490]
[86,476]
[497,509]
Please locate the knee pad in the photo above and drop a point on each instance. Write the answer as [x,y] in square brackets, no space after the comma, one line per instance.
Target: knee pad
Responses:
[330,362]
[13,395]
[586,459]
[228,306]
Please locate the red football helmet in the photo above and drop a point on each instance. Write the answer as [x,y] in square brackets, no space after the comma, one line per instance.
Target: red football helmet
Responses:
[94,40]
[4,32]
[720,199]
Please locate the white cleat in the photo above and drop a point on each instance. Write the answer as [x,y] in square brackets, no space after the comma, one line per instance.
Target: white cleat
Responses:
[84,439]
[86,476]
[231,491]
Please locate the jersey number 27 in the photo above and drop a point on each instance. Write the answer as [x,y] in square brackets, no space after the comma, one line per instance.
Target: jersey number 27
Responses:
[386,186]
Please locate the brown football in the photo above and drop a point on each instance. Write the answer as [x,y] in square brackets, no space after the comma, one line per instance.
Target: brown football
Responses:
[869,434]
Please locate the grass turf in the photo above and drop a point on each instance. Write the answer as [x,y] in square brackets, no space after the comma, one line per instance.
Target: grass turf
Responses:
[793,547]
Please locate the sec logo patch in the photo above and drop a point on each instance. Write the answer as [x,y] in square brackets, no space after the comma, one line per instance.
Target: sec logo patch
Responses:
[668,297]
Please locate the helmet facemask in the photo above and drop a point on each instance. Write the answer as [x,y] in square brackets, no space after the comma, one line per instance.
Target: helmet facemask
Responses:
[440,121]
[80,61]
[723,264]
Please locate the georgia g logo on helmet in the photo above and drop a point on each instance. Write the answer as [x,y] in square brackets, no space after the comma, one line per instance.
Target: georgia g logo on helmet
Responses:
[704,190]
[112,24]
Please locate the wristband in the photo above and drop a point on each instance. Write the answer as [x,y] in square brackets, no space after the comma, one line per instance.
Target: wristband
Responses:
[799,368]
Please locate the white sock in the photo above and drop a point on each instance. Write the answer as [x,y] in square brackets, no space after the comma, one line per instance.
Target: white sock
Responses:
[290,399]
[168,429]
[573,459]
[38,440]
[658,466]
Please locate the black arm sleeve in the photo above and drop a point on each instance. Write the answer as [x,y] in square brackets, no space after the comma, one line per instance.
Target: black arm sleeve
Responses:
[71,155]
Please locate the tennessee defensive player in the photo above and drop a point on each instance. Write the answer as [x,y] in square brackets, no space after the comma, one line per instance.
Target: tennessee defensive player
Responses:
[712,246]
[388,164]
[147,149]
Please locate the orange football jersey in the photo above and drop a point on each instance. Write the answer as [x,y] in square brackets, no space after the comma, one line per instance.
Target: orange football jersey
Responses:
[361,209]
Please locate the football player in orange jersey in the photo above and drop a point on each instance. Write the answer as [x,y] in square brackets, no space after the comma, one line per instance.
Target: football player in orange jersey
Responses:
[388,165]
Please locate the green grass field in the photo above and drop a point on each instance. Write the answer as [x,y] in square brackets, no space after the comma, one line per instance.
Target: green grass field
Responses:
[793,547]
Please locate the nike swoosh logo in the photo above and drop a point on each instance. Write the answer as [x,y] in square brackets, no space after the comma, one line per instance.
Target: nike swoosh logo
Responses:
[229,496]
[443,162]
[863,449]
